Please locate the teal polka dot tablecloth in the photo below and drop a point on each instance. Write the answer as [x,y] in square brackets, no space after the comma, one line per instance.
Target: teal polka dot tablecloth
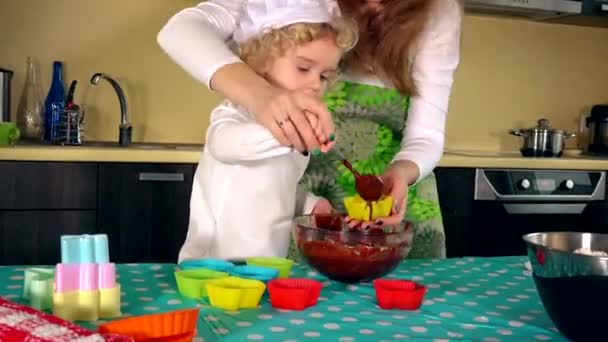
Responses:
[470,299]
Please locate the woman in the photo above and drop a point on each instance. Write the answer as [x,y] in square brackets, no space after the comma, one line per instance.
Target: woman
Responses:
[389,112]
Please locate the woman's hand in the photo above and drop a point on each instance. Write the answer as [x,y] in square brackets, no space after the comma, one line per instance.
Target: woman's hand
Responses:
[283,112]
[280,111]
[396,178]
[397,186]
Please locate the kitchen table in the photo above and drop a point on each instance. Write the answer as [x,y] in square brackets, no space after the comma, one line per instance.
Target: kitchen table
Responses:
[468,299]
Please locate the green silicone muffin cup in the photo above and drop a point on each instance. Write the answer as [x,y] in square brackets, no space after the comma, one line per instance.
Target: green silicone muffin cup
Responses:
[281,264]
[191,283]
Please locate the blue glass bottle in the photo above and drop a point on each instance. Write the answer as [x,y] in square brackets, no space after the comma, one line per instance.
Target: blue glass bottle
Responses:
[56,94]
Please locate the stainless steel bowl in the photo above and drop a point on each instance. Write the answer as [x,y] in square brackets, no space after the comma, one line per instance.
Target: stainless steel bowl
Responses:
[573,287]
[556,250]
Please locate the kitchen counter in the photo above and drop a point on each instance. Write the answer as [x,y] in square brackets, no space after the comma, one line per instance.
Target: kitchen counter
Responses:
[105,152]
[190,153]
[513,159]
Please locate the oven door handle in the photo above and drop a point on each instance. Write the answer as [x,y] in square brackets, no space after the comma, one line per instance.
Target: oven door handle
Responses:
[544,208]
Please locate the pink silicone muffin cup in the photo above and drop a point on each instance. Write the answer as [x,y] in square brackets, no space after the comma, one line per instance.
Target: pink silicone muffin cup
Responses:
[84,277]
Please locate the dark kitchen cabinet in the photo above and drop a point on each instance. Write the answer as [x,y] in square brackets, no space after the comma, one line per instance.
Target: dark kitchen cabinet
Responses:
[39,202]
[33,237]
[143,208]
[455,189]
[38,185]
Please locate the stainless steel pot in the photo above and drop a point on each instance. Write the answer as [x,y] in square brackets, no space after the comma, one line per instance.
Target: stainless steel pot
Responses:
[542,141]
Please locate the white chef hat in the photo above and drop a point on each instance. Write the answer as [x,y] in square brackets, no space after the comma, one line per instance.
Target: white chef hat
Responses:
[272,14]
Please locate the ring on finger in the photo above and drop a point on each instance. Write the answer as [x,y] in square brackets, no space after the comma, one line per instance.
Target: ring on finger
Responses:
[282,121]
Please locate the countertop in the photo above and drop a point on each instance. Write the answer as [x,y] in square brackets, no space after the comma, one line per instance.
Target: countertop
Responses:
[190,153]
[104,152]
[513,159]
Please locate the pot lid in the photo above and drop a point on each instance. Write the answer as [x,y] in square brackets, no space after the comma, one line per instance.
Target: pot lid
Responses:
[543,126]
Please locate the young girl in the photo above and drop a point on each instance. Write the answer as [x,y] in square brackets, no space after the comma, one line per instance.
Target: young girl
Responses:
[245,193]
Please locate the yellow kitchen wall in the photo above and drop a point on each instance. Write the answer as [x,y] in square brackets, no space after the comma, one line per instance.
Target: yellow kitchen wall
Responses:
[512,72]
[116,37]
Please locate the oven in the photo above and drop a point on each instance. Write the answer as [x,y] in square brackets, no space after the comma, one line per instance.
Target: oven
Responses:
[509,203]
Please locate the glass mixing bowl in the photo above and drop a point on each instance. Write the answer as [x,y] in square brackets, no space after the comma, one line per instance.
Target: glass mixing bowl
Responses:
[347,255]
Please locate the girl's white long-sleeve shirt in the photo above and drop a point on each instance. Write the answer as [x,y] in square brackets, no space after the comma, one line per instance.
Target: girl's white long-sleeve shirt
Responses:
[199,39]
[245,191]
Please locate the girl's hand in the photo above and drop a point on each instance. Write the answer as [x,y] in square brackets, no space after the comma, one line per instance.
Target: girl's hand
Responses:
[323,207]
[283,112]
[316,126]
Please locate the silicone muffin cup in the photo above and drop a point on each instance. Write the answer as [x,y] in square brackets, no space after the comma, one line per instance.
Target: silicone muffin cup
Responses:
[358,209]
[235,293]
[294,294]
[84,249]
[209,264]
[191,283]
[84,277]
[172,326]
[280,264]
[38,287]
[264,274]
[399,294]
[87,305]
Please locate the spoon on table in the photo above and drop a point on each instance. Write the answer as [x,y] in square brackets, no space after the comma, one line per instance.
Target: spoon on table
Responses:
[369,187]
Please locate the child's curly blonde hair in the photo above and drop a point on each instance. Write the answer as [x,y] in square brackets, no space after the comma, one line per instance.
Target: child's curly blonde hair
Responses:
[260,51]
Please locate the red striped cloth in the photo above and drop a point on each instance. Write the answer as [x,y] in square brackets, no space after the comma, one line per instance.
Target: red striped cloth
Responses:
[22,323]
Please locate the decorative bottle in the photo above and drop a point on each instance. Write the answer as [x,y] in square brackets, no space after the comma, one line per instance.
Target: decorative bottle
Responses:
[56,95]
[30,111]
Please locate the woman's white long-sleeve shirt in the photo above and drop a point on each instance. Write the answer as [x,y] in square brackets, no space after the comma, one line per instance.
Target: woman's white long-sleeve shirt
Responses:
[245,191]
[198,39]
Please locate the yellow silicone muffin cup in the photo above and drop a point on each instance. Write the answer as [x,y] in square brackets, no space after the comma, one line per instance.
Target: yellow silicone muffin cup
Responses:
[87,305]
[235,293]
[191,283]
[280,264]
[358,209]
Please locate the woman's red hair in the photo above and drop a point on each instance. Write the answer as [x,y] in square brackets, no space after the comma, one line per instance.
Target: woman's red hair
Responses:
[387,38]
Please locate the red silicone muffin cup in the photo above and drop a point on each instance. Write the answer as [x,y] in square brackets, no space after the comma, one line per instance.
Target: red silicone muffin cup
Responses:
[294,293]
[399,294]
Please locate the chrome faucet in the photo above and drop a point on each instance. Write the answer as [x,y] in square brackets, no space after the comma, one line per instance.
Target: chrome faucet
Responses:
[125,129]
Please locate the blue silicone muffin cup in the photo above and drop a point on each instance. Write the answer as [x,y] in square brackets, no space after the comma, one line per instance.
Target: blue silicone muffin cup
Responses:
[263,274]
[210,264]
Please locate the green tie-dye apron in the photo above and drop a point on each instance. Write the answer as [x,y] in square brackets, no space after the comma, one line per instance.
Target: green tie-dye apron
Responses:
[369,124]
